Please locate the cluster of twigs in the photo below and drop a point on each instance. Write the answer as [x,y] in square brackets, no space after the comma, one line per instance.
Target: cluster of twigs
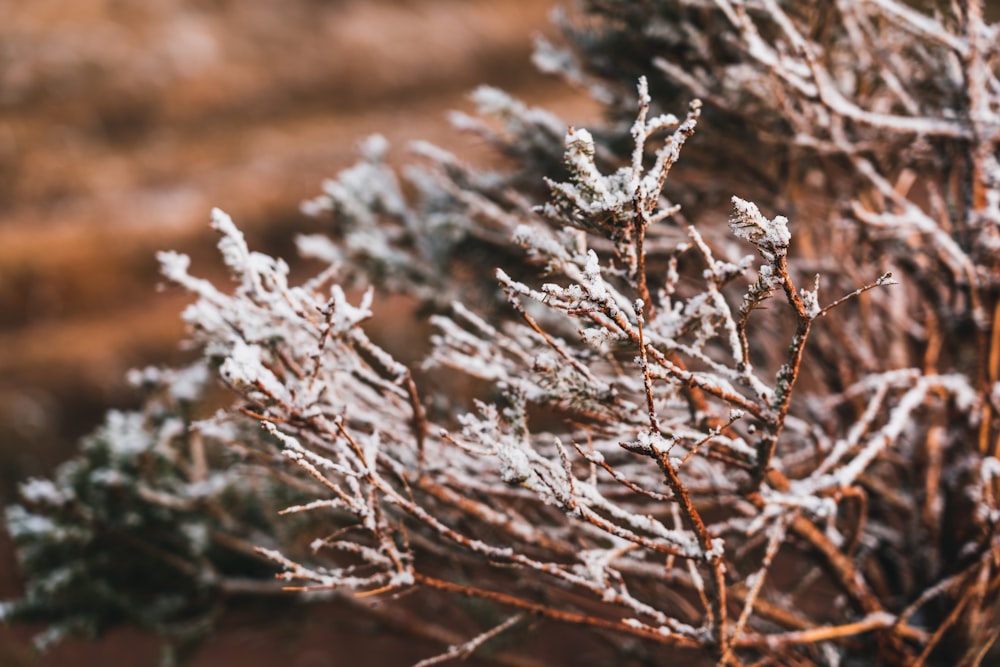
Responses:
[680,445]
[659,490]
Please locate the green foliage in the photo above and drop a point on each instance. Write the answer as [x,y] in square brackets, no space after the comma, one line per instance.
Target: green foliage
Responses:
[148,525]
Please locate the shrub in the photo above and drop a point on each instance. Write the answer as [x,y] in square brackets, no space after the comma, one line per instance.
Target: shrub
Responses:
[774,442]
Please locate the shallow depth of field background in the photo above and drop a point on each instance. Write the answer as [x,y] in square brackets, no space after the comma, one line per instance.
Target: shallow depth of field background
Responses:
[121,125]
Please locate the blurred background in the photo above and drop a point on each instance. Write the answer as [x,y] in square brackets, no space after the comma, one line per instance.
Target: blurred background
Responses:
[122,122]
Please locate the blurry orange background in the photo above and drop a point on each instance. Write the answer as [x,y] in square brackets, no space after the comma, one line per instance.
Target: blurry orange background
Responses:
[122,123]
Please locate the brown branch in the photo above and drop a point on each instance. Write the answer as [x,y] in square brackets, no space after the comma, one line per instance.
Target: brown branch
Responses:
[870,623]
[843,569]
[884,279]
[787,375]
[714,559]
[545,611]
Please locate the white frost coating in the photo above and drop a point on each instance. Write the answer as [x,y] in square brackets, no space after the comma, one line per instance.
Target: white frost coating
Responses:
[41,491]
[484,429]
[184,384]
[802,496]
[597,338]
[593,194]
[294,451]
[718,549]
[137,377]
[244,368]
[347,316]
[810,298]
[217,426]
[21,523]
[374,147]
[592,272]
[524,236]
[232,244]
[654,441]
[318,246]
[188,384]
[370,449]
[957,385]
[990,469]
[315,504]
[595,564]
[494,101]
[315,207]
[401,579]
[209,487]
[770,236]
[173,265]
[515,466]
[125,434]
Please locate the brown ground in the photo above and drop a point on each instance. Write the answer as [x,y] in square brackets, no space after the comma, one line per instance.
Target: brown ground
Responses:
[122,124]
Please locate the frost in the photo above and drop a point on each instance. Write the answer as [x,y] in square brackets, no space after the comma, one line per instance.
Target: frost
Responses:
[717,551]
[770,236]
[41,491]
[197,534]
[810,298]
[402,579]
[173,265]
[243,368]
[515,467]
[22,524]
[124,434]
[616,403]
[183,384]
[316,246]
[989,469]
[219,427]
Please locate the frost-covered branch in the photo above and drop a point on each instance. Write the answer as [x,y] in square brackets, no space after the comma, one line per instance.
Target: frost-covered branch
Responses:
[634,419]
